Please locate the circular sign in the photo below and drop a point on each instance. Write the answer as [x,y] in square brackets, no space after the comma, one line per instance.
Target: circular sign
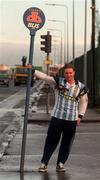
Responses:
[34,19]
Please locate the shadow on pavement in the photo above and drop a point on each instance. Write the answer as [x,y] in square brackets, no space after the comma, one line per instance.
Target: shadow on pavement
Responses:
[47,176]
[63,176]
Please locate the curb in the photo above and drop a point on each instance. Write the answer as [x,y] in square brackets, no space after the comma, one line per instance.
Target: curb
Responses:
[42,121]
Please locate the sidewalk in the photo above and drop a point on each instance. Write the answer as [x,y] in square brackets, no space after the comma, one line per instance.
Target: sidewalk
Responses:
[41,117]
[84,161]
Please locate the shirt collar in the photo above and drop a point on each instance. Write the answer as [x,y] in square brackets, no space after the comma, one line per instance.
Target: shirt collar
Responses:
[76,81]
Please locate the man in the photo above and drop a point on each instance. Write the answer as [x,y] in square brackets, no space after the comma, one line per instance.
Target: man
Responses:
[70,106]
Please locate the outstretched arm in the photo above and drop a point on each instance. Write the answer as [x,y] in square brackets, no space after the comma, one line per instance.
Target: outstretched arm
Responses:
[45,77]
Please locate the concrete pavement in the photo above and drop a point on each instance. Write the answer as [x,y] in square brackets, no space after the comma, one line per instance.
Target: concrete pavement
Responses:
[81,165]
[41,116]
[84,161]
[91,116]
[9,125]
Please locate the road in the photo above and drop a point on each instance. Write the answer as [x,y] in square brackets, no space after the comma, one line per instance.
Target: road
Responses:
[83,163]
[13,98]
[12,101]
[5,91]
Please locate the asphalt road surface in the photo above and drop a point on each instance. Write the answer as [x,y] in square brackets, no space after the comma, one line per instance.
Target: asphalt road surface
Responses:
[83,162]
[12,103]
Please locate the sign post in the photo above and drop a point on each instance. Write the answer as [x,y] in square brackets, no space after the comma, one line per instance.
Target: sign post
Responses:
[47,49]
[33,19]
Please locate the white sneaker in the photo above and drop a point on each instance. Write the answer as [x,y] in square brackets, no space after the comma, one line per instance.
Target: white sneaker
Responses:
[60,167]
[43,168]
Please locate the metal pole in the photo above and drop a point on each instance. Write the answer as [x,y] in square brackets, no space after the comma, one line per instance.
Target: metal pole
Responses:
[73,33]
[65,43]
[48,96]
[62,60]
[93,51]
[64,36]
[85,41]
[67,37]
[55,4]
[27,104]
[61,51]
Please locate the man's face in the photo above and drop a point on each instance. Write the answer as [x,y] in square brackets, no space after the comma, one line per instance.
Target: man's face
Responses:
[69,74]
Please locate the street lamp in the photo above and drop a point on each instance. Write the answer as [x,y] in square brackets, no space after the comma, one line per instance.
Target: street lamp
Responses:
[93,54]
[56,52]
[64,35]
[73,33]
[85,41]
[61,41]
[57,49]
[63,5]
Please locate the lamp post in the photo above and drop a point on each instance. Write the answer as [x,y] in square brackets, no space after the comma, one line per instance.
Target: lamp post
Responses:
[85,41]
[61,42]
[63,5]
[57,50]
[93,53]
[73,33]
[64,38]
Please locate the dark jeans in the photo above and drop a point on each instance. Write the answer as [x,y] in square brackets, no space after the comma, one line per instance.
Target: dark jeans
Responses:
[57,128]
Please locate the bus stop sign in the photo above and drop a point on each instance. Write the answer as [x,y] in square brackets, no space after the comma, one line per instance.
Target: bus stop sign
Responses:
[34,19]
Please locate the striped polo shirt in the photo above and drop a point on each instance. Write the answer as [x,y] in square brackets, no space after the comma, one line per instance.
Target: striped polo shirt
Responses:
[66,104]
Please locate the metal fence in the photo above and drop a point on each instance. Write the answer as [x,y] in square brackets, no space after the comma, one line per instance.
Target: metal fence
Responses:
[79,66]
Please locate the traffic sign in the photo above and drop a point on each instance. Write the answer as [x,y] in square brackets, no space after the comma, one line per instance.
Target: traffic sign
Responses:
[34,19]
[48,62]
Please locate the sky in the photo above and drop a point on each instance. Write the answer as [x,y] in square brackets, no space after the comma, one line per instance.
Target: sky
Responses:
[15,37]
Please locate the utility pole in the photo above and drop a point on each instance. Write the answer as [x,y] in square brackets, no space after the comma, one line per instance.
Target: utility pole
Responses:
[93,52]
[47,49]
[85,45]
[73,46]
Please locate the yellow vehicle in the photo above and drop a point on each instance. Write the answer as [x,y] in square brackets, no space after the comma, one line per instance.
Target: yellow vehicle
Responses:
[21,75]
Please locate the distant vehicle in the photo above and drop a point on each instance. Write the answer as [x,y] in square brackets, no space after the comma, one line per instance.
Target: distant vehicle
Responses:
[21,75]
[4,75]
[39,68]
